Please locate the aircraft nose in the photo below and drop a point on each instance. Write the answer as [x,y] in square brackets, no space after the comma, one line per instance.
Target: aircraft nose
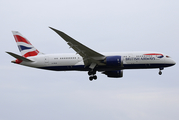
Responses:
[172,62]
[169,62]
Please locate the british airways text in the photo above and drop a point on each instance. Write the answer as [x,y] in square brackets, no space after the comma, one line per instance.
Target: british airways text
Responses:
[142,58]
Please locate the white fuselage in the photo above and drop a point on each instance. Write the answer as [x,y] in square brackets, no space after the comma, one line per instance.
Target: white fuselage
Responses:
[131,60]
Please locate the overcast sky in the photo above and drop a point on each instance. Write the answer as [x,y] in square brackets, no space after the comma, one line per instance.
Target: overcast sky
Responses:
[105,26]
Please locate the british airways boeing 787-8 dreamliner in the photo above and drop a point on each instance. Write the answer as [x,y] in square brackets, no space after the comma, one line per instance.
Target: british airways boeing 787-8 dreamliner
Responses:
[86,59]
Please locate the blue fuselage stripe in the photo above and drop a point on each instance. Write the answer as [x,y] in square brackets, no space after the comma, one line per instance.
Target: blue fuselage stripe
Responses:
[103,68]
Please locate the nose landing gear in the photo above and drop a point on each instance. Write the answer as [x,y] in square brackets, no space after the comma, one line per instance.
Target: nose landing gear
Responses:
[160,72]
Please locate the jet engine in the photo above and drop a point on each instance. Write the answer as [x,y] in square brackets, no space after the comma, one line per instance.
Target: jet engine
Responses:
[114,61]
[114,74]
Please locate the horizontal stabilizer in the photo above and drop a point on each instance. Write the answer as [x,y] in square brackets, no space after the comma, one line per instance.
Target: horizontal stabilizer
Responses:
[19,57]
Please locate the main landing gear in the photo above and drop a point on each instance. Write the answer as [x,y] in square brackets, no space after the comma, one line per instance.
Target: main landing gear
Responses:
[160,72]
[92,75]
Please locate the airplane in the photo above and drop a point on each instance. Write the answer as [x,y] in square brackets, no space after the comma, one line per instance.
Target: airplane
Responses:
[86,59]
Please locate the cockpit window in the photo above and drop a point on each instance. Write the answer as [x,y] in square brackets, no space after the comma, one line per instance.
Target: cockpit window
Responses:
[167,56]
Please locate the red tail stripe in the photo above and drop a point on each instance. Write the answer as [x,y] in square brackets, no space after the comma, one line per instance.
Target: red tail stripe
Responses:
[33,53]
[21,39]
[18,61]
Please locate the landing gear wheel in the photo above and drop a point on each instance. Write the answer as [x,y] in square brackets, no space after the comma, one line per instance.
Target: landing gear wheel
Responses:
[94,77]
[160,73]
[91,78]
[92,72]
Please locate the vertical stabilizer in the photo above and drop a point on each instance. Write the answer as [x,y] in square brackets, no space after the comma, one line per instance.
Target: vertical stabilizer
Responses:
[25,47]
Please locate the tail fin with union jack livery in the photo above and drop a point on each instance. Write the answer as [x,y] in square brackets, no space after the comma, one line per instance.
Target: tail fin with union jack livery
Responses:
[25,47]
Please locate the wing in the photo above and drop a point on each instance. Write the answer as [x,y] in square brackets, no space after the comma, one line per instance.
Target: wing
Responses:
[90,56]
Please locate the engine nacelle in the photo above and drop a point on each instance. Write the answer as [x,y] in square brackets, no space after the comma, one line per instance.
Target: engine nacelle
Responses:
[114,61]
[114,74]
